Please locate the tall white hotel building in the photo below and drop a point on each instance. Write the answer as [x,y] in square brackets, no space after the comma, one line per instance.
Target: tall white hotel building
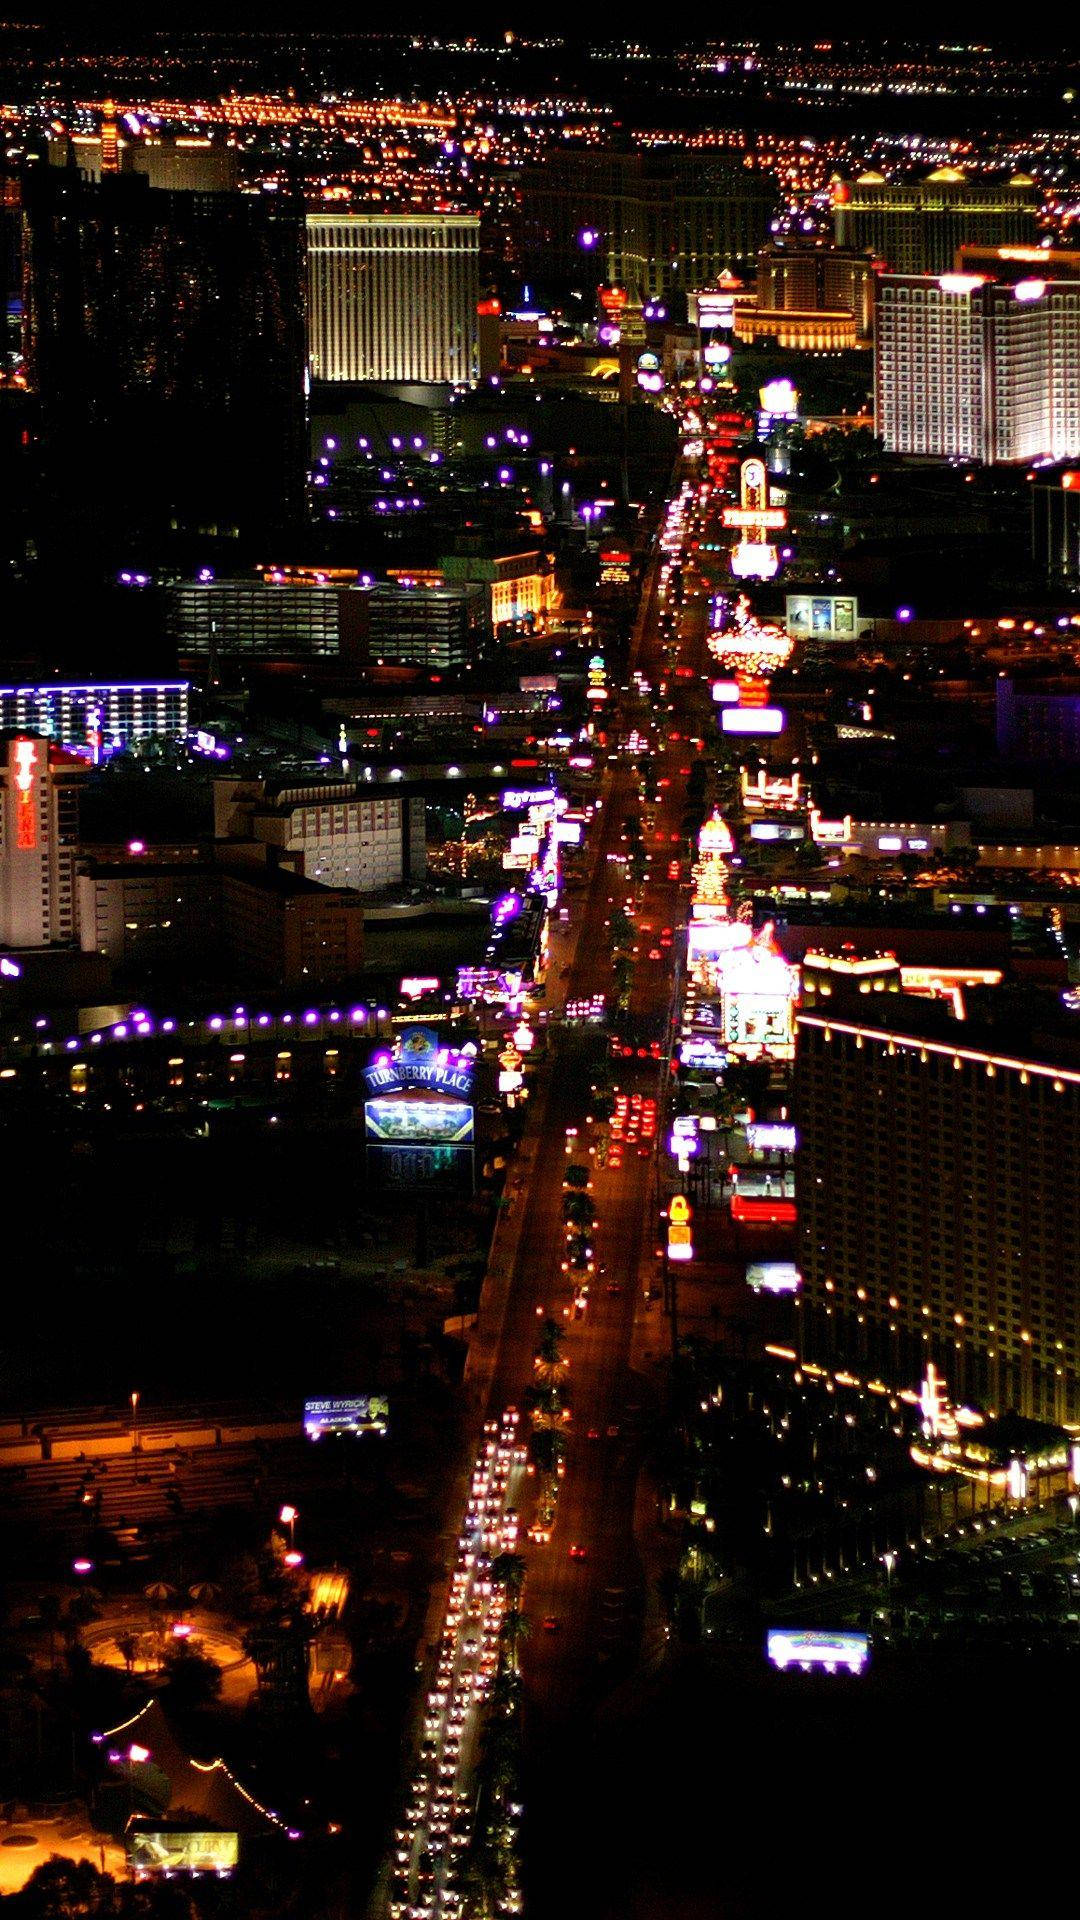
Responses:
[392,297]
[972,367]
[39,842]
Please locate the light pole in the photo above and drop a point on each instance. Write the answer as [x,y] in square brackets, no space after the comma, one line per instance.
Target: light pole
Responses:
[289,1517]
[889,1560]
[135,1421]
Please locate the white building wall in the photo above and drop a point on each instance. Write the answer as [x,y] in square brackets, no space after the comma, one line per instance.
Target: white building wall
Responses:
[349,843]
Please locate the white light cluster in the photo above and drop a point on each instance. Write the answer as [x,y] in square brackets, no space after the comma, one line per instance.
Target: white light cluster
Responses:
[429,1845]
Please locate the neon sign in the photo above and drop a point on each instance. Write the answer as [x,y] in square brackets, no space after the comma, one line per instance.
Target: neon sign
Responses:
[811,1647]
[419,1061]
[679,1243]
[753,558]
[25,758]
[516,799]
[771,1136]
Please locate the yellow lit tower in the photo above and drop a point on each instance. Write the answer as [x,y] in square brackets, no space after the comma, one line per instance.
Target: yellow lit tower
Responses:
[715,845]
[110,142]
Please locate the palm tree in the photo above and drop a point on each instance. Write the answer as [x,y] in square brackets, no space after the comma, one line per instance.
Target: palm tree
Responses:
[578,1210]
[551,1339]
[547,1406]
[508,1570]
[515,1628]
[547,1447]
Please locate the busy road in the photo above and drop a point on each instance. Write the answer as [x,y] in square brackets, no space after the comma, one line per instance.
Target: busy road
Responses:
[585,1585]
[438,1820]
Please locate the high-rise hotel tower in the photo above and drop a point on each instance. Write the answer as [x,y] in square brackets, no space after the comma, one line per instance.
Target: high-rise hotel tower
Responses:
[393,297]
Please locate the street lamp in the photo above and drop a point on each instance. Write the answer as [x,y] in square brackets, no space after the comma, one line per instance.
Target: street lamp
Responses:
[135,1422]
[289,1517]
[1074,1505]
[889,1560]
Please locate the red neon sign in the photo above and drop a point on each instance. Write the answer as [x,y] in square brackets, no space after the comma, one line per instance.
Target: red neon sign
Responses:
[754,1209]
[25,757]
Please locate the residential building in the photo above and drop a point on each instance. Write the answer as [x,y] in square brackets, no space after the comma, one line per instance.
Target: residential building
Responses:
[393,297]
[279,927]
[251,921]
[140,911]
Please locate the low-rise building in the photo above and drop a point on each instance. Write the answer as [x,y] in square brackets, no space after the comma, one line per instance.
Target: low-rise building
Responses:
[280,617]
[249,921]
[520,584]
[342,833]
[429,625]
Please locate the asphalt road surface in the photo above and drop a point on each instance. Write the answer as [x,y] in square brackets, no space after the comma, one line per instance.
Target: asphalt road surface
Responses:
[586,1609]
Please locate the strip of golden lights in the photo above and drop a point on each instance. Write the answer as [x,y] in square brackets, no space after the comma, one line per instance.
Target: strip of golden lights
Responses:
[1059,1075]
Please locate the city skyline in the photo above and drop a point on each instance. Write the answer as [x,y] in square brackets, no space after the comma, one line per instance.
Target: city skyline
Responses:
[539,961]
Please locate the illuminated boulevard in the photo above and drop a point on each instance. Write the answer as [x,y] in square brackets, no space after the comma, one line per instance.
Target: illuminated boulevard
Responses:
[588,1611]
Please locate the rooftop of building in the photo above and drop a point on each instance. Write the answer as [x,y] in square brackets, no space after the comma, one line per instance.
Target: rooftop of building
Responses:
[1008,1025]
[946,176]
[288,885]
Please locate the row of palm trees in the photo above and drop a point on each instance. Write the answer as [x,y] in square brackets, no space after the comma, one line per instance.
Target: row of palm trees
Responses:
[492,1876]
[548,1403]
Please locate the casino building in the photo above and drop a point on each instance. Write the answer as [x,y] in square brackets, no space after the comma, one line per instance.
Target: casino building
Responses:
[938,1185]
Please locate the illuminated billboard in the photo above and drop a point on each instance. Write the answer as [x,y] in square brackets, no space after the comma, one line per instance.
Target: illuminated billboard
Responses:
[810,1647]
[489,984]
[773,1276]
[776,830]
[419,1118]
[758,991]
[752,720]
[779,400]
[776,1135]
[711,937]
[746,518]
[518,799]
[702,1055]
[614,567]
[754,560]
[180,1850]
[366,1413]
